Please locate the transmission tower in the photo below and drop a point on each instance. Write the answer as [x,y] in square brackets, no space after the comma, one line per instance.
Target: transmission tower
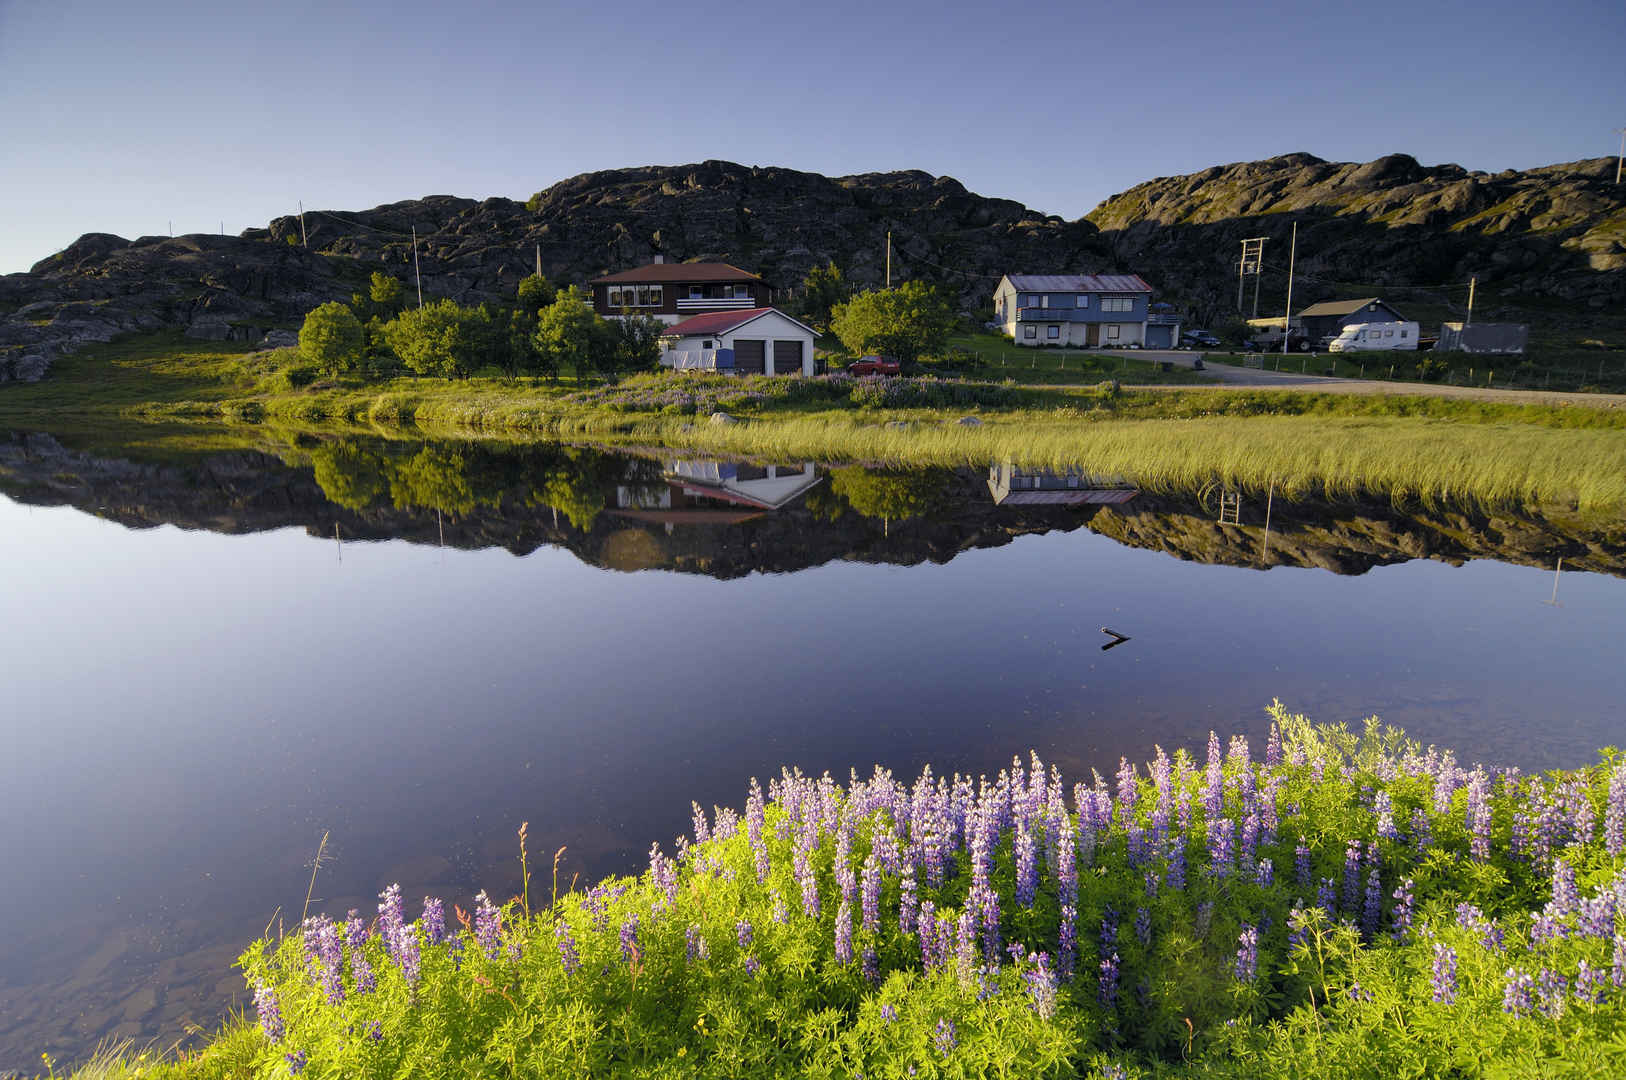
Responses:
[1253,260]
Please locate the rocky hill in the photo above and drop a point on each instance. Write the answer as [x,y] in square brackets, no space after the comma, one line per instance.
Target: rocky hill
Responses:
[1550,235]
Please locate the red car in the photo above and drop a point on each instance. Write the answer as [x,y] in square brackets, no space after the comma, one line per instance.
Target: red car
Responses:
[874,365]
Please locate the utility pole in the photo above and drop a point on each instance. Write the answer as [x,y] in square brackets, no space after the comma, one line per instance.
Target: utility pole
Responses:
[889,258]
[415,270]
[1253,258]
[304,239]
[1287,316]
[1622,156]
[1468,321]
[539,260]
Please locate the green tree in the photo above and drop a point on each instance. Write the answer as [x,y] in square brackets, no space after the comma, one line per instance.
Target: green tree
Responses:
[535,293]
[443,338]
[822,290]
[435,479]
[908,322]
[889,496]
[569,335]
[350,475]
[637,341]
[332,338]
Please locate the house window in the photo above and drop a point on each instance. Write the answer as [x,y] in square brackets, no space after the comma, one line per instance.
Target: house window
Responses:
[1044,301]
[1083,300]
[1112,332]
[1030,331]
[697,292]
[1388,333]
[1052,331]
[615,298]
[654,296]
[1027,301]
[706,344]
[1117,303]
[1402,333]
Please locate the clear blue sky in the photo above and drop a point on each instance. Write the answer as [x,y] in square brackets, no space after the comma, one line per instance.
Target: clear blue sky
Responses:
[122,117]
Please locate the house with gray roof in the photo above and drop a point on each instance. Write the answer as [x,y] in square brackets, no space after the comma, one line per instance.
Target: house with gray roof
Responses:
[1082,311]
[1326,319]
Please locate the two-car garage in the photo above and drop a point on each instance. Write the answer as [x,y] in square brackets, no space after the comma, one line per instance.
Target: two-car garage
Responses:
[763,340]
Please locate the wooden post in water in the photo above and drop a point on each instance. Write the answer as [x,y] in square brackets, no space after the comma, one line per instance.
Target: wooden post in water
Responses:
[1270,499]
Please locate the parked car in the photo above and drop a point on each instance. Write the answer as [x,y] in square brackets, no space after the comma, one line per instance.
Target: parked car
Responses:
[874,365]
[1199,339]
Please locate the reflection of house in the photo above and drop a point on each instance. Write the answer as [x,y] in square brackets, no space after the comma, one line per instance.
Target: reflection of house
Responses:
[714,492]
[1082,310]
[1013,485]
[672,292]
[756,342]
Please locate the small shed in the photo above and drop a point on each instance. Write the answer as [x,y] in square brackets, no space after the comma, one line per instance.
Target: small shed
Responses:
[1494,338]
[761,341]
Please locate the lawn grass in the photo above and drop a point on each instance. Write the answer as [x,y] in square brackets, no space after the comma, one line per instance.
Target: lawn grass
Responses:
[994,356]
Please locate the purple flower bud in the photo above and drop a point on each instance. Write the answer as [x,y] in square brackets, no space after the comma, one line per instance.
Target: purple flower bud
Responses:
[629,939]
[1247,956]
[487,925]
[1516,997]
[390,917]
[296,1062]
[1614,814]
[434,920]
[1107,984]
[1445,974]
[944,1039]
[266,1004]
[567,947]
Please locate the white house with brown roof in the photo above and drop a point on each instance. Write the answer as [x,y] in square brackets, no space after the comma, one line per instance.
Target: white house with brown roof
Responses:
[1082,310]
[672,292]
[761,341]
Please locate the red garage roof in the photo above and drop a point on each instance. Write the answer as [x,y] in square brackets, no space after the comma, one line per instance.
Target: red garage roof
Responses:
[721,322]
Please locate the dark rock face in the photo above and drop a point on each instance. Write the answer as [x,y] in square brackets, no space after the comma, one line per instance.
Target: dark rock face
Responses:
[1555,233]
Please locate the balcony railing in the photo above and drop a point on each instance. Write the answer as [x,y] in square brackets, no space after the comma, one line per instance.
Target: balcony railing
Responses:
[715,303]
[1156,319]
[1052,314]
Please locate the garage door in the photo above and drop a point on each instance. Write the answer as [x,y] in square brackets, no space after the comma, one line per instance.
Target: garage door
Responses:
[787,358]
[748,356]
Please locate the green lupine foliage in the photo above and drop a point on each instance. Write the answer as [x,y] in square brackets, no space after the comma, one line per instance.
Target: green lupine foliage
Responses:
[1334,1002]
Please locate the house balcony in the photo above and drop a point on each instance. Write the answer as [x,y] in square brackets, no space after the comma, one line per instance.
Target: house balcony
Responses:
[1052,314]
[1162,320]
[715,303]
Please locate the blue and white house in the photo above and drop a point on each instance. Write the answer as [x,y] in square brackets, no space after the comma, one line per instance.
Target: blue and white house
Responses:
[1082,311]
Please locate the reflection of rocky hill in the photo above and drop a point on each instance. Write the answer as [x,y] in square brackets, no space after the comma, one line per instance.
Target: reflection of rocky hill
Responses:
[596,506]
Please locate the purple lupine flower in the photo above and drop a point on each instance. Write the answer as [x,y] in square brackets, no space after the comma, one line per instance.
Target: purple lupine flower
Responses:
[871,894]
[965,944]
[1041,985]
[888,1014]
[434,920]
[270,1010]
[1565,896]
[1247,955]
[1544,927]
[944,1039]
[1402,914]
[702,831]
[1595,916]
[694,944]
[754,810]
[1213,789]
[487,925]
[752,966]
[1553,988]
[1445,974]
[1143,925]
[1372,911]
[781,913]
[1352,877]
[1479,816]
[1614,814]
[844,932]
[355,930]
[1027,873]
[296,1062]
[629,939]
[1422,831]
[407,954]
[908,907]
[1176,876]
[927,924]
[567,947]
[1577,800]
[328,952]
[743,933]
[1182,810]
[390,917]
[1265,873]
[1107,984]
[1250,839]
[1588,984]
[1326,897]
[1219,846]
[1127,790]
[1384,808]
[361,970]
[1301,864]
[1109,930]
[1149,883]
[1617,967]
[1135,842]
[663,872]
[1273,747]
[1516,996]
[1067,942]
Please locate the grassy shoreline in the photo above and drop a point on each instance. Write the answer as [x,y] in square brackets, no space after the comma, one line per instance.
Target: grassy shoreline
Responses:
[1348,900]
[1299,442]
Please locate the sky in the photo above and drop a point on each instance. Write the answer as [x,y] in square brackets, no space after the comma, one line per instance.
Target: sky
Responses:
[139,118]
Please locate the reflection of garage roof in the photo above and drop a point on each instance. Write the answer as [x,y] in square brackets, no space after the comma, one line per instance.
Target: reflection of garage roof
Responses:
[721,322]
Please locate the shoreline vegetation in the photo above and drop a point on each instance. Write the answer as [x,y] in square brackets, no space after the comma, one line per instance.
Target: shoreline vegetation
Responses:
[1297,442]
[1339,905]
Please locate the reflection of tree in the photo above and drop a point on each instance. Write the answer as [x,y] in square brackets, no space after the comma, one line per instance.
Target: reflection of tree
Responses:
[888,496]
[350,475]
[575,487]
[435,479]
[824,504]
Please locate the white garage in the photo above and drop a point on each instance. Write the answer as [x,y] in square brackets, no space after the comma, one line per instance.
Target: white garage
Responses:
[758,341]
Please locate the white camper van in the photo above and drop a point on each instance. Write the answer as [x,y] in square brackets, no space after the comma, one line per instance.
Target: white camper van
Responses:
[1367,337]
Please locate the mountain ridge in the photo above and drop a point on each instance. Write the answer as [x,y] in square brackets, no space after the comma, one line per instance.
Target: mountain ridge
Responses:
[1555,233]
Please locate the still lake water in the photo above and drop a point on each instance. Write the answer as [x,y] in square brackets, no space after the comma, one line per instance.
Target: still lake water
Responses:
[212,659]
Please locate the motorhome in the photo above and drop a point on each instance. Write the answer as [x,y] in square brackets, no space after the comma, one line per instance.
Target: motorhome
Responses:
[1371,337]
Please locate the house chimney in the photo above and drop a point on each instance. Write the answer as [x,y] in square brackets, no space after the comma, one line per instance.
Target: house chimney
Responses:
[659,259]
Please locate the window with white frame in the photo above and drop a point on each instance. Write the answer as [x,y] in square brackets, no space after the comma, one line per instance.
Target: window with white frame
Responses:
[654,296]
[1052,332]
[697,292]
[1112,332]
[615,298]
[1117,303]
[1083,300]
[1030,331]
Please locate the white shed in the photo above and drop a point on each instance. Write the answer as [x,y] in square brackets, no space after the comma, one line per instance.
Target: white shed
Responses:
[758,341]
